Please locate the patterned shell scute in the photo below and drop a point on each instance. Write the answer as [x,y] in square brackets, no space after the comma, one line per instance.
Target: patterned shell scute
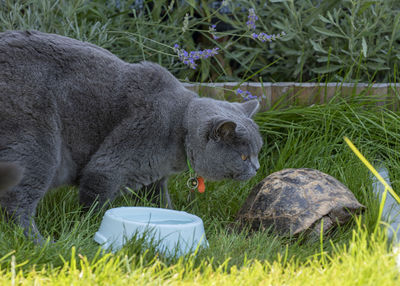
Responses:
[292,200]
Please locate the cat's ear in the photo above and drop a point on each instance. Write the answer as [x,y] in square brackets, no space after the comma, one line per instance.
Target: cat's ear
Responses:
[222,129]
[250,107]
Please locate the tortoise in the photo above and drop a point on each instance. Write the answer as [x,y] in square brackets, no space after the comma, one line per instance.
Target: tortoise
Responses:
[293,201]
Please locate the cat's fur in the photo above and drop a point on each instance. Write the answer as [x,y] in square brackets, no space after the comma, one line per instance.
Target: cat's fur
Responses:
[73,113]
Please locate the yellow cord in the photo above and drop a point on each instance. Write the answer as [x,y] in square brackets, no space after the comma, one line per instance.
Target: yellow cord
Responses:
[372,169]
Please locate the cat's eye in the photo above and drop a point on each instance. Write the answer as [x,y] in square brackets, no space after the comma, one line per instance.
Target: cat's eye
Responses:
[244,157]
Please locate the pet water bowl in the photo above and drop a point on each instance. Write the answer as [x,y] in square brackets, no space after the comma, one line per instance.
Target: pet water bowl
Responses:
[175,232]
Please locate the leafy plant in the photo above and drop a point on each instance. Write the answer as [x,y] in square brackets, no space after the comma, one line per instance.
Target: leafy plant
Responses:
[347,40]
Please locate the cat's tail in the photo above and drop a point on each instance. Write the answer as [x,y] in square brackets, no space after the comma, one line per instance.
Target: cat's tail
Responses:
[10,175]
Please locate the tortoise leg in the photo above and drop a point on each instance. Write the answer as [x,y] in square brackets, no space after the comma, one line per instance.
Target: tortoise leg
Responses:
[326,223]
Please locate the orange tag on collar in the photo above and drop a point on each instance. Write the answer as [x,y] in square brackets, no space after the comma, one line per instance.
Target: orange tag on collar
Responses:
[201,187]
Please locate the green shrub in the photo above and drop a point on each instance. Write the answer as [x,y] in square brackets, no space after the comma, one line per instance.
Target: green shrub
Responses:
[346,40]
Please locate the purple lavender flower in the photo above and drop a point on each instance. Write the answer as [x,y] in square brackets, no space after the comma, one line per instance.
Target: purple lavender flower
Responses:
[263,37]
[189,58]
[212,30]
[245,94]
[251,23]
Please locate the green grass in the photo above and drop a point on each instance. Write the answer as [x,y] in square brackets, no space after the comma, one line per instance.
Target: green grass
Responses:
[364,261]
[296,137]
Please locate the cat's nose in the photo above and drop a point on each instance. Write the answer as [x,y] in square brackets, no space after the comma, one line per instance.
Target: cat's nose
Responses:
[255,163]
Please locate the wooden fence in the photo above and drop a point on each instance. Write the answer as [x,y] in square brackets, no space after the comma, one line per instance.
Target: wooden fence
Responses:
[284,94]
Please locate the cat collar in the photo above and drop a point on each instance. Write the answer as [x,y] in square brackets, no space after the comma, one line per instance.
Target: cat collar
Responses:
[195,182]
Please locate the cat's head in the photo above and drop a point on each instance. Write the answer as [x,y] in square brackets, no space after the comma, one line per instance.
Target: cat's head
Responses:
[223,141]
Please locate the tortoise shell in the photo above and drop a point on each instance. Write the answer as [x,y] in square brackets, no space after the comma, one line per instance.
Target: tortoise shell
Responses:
[294,200]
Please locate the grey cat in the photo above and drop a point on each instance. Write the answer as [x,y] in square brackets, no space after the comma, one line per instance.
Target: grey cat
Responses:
[74,113]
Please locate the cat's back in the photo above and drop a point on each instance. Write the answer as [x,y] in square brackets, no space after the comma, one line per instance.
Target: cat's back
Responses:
[31,46]
[42,67]
[36,59]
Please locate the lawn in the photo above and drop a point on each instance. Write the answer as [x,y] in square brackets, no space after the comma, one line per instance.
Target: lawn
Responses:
[357,253]
[354,254]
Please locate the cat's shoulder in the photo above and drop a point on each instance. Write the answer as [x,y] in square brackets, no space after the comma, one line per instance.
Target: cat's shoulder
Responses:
[211,106]
[155,79]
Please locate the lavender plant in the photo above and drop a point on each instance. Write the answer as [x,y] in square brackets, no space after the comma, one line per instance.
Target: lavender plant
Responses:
[332,40]
[189,58]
